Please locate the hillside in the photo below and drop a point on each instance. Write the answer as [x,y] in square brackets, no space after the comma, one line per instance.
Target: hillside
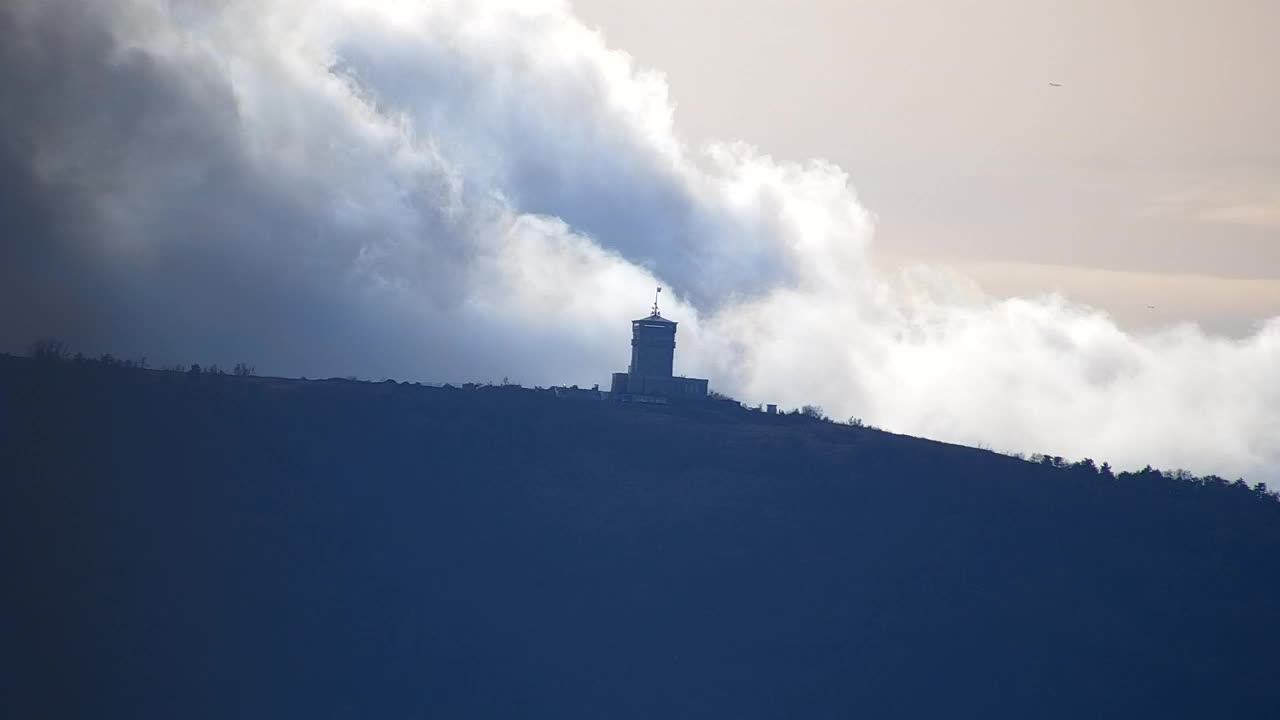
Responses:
[215,547]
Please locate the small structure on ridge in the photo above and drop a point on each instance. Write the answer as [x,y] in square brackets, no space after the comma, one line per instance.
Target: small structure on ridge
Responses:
[651,377]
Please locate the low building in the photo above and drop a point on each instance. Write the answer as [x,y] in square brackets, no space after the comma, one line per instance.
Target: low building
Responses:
[578,393]
[675,388]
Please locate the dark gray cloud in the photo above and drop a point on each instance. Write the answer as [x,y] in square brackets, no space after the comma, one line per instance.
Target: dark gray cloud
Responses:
[139,219]
[216,196]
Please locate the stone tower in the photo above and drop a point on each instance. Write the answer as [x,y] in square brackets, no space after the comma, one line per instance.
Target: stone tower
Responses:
[651,376]
[653,346]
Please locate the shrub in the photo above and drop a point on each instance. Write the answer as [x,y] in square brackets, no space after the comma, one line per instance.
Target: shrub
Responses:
[813,411]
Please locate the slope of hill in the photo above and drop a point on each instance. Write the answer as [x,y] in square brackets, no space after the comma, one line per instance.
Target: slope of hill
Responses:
[220,547]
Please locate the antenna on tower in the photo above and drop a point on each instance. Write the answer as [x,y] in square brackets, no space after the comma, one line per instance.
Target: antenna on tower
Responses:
[655,303]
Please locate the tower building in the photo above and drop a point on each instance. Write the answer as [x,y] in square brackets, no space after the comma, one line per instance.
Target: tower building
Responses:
[653,346]
[651,376]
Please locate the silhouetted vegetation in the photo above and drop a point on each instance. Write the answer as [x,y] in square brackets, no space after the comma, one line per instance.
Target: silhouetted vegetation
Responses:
[1087,469]
[241,546]
[48,350]
[813,411]
[55,351]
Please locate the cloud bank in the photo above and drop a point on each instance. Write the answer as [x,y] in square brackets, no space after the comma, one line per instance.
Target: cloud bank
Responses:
[446,190]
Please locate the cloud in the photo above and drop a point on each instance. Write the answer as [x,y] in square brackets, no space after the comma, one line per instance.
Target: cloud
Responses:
[464,190]
[1265,214]
[1250,202]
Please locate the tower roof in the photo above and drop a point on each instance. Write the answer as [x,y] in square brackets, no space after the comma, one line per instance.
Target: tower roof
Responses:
[656,318]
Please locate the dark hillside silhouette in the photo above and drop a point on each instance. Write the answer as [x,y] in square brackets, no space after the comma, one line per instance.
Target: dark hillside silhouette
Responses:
[200,545]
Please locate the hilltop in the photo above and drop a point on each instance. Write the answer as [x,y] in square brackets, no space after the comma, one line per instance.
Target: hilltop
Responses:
[182,545]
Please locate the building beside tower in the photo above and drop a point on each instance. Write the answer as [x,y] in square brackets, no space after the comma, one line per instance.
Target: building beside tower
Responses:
[651,377]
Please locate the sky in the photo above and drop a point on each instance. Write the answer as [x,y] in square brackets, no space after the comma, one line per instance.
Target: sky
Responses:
[883,209]
[1150,177]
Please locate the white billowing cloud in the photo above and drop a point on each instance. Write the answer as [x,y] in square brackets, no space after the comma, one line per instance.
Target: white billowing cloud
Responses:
[455,189]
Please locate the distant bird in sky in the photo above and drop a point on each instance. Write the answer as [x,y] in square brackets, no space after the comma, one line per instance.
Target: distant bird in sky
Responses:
[1151,307]
[1054,84]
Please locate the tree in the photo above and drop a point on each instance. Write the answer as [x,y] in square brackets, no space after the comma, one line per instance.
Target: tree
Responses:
[813,411]
[242,370]
[48,350]
[1053,461]
[1085,466]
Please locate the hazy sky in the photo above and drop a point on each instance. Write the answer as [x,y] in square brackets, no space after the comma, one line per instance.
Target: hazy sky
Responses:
[452,190]
[1151,177]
